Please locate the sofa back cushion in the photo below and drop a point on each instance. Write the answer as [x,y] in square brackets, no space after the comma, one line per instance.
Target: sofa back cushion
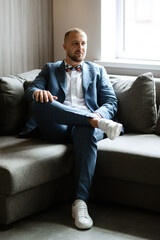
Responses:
[137,102]
[157,81]
[13,106]
[137,109]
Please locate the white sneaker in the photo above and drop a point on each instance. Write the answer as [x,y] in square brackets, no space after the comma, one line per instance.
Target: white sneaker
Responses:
[111,128]
[80,214]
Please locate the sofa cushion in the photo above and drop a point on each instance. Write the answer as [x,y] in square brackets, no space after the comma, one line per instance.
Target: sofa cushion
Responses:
[27,163]
[131,157]
[157,131]
[137,102]
[13,106]
[157,81]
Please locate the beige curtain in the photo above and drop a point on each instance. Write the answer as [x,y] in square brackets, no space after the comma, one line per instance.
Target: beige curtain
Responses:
[26,35]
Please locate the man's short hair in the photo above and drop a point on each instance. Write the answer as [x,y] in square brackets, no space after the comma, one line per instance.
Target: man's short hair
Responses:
[76,30]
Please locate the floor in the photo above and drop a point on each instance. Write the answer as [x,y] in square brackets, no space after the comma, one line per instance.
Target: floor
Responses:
[110,223]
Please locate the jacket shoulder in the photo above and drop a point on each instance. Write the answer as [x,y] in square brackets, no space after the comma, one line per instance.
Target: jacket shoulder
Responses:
[53,64]
[93,65]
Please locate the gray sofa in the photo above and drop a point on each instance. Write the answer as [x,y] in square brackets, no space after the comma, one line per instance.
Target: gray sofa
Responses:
[35,174]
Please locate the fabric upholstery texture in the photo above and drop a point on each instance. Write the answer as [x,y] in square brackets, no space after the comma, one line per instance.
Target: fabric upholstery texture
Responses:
[157,81]
[26,163]
[131,157]
[126,192]
[13,106]
[35,199]
[137,109]
[157,131]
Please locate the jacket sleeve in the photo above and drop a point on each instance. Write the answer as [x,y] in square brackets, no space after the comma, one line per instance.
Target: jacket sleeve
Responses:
[107,99]
[40,82]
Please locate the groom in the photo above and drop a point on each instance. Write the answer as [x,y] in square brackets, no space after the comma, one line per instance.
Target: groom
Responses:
[73,101]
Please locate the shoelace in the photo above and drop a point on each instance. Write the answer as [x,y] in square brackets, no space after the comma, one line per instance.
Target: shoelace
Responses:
[82,210]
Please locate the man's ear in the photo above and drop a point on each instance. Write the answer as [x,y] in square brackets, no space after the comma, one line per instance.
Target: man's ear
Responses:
[64,46]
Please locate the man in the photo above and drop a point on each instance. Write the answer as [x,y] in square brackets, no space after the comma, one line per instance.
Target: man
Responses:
[73,100]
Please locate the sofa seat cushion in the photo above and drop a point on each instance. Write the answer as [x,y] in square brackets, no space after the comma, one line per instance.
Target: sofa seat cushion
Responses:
[131,157]
[27,163]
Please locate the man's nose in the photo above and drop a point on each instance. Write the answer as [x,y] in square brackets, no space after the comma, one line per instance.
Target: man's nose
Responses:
[80,46]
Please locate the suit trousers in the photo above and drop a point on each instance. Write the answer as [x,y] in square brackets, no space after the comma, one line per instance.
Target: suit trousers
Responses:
[62,124]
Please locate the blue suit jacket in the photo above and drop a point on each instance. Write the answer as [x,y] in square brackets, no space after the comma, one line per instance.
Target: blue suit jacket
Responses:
[97,89]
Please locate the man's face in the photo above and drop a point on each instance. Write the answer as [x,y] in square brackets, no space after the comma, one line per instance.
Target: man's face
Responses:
[76,47]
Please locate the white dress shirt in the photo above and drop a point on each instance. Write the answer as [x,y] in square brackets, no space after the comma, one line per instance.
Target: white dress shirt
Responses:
[74,92]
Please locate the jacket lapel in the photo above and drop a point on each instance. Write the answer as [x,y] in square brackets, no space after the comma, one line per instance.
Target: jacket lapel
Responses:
[87,77]
[61,76]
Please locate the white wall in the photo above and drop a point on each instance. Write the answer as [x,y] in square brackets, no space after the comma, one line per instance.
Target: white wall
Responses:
[85,14]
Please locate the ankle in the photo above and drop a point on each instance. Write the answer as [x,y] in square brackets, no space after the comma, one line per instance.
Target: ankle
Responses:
[93,122]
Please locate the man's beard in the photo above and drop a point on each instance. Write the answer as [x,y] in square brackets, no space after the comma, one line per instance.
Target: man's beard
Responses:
[76,58]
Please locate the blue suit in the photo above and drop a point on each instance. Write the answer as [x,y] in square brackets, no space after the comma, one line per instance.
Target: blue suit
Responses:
[58,122]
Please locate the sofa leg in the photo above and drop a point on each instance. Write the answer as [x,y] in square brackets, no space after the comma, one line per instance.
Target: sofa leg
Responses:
[5,227]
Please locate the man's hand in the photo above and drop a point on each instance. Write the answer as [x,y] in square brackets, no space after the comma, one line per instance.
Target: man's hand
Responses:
[44,96]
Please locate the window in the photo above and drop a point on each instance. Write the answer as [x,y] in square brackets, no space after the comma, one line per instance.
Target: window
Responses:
[131,29]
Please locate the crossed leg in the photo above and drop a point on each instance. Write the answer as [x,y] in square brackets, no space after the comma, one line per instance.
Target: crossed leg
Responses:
[60,123]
